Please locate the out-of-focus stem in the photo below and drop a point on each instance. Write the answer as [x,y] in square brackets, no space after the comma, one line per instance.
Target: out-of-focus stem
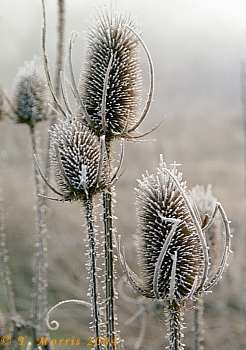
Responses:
[40,281]
[4,264]
[198,323]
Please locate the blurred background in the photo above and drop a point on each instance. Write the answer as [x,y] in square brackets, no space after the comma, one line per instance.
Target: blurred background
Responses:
[197,48]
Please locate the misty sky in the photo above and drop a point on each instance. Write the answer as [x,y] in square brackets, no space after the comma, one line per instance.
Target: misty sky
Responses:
[196,45]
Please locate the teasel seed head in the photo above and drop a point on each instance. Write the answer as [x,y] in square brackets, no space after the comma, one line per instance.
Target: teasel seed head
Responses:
[204,205]
[110,84]
[172,248]
[30,100]
[79,160]
[162,209]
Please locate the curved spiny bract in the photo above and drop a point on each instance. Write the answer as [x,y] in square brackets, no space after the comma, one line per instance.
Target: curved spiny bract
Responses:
[79,160]
[164,219]
[110,84]
[30,100]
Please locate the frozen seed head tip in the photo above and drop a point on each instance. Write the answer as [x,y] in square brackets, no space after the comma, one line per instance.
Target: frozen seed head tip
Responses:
[79,160]
[110,84]
[170,252]
[30,100]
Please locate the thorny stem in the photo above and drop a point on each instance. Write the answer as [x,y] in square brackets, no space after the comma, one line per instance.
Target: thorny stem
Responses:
[109,266]
[198,323]
[93,270]
[39,299]
[175,326]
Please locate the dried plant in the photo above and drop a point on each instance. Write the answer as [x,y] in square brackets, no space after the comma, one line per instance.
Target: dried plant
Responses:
[172,251]
[109,109]
[109,97]
[204,203]
[30,100]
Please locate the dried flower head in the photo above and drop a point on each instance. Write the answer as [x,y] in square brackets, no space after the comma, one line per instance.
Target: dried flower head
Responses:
[79,160]
[172,250]
[204,204]
[161,210]
[30,100]
[110,84]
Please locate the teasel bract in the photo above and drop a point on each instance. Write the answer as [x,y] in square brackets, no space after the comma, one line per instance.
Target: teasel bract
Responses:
[172,249]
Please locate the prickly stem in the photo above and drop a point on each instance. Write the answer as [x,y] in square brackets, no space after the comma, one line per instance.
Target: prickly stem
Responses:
[174,323]
[109,265]
[93,270]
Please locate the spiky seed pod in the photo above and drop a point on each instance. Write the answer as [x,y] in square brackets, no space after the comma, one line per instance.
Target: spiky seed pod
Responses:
[30,100]
[205,203]
[110,84]
[79,160]
[162,211]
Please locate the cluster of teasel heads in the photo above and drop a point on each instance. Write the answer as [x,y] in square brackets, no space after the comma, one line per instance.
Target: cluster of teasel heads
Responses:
[108,100]
[173,255]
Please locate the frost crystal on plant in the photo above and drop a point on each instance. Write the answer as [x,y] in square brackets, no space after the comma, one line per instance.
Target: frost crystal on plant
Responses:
[30,101]
[110,84]
[79,160]
[161,207]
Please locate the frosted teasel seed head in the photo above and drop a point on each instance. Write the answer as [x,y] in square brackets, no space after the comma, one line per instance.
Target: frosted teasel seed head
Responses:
[172,249]
[79,161]
[110,82]
[30,99]
[161,208]
[204,203]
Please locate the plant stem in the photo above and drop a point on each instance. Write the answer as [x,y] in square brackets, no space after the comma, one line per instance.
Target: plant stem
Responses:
[93,271]
[198,323]
[109,265]
[4,263]
[57,84]
[40,280]
[175,326]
